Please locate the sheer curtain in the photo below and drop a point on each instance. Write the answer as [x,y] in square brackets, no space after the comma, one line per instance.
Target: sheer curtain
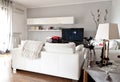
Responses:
[5,25]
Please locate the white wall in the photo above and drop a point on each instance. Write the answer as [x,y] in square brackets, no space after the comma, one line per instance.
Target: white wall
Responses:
[81,12]
[115,16]
[19,20]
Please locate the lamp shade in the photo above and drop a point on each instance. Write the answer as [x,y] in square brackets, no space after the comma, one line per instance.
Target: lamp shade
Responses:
[107,31]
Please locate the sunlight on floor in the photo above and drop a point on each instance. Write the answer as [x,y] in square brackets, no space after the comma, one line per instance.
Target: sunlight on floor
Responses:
[5,68]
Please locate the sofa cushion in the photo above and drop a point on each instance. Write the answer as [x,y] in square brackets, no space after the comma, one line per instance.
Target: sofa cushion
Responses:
[118,42]
[98,44]
[113,45]
[60,47]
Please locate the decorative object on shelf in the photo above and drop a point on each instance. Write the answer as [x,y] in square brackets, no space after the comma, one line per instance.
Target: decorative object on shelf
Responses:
[98,19]
[40,28]
[105,32]
[37,28]
[51,28]
[33,28]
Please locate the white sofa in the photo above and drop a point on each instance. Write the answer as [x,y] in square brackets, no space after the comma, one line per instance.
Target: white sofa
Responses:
[61,60]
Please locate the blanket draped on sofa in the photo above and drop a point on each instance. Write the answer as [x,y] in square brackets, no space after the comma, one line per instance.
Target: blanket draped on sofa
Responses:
[32,49]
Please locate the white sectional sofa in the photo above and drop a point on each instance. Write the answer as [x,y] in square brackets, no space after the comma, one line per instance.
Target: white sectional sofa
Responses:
[57,59]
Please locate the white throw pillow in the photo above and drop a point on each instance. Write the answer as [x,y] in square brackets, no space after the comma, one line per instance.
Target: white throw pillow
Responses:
[113,45]
[32,49]
[98,44]
[60,47]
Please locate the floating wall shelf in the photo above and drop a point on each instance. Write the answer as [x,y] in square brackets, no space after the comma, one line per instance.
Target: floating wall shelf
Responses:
[53,20]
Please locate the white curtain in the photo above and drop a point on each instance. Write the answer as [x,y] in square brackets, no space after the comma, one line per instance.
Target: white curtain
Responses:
[5,25]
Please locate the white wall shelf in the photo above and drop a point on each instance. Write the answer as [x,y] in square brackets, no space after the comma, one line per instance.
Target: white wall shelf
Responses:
[52,20]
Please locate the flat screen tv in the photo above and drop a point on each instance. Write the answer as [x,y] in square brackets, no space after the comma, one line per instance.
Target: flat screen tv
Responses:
[73,34]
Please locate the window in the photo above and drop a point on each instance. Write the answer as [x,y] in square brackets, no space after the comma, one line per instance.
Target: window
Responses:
[5,25]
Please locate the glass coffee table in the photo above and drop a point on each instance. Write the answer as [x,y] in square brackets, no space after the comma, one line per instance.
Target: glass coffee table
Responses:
[110,73]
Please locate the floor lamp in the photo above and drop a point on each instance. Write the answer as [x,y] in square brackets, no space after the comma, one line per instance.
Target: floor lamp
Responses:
[106,32]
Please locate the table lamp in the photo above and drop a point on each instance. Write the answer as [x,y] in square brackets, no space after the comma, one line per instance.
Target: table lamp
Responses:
[106,32]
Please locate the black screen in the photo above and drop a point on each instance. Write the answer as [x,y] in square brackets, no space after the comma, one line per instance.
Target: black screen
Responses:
[73,34]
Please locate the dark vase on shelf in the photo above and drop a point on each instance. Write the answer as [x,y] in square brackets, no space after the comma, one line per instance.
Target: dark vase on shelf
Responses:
[51,28]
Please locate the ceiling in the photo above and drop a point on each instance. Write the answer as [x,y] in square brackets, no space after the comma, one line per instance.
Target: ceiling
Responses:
[48,3]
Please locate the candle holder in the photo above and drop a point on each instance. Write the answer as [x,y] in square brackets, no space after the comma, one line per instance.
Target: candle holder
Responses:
[105,56]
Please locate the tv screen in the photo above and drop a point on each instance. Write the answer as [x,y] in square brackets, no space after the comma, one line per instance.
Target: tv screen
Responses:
[73,34]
